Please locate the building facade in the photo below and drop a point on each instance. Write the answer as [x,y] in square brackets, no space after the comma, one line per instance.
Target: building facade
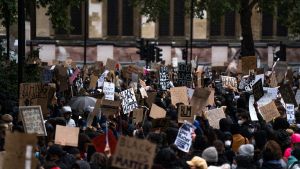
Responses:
[114,25]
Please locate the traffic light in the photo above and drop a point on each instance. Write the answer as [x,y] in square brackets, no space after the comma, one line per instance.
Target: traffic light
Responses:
[281,54]
[158,54]
[151,52]
[184,54]
[142,48]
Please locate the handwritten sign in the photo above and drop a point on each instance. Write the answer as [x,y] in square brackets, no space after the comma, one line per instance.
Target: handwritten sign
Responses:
[33,120]
[258,90]
[248,63]
[179,95]
[184,137]
[66,136]
[109,90]
[200,100]
[287,94]
[229,81]
[133,153]
[184,75]
[269,111]
[157,112]
[214,116]
[290,113]
[128,100]
[185,114]
[164,82]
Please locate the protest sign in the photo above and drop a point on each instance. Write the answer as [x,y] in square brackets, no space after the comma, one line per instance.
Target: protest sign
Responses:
[184,77]
[289,76]
[200,100]
[157,112]
[101,79]
[66,136]
[287,94]
[211,98]
[99,142]
[138,114]
[273,80]
[109,107]
[133,153]
[269,111]
[258,90]
[229,81]
[132,69]
[110,64]
[109,90]
[164,82]
[151,98]
[249,87]
[143,92]
[248,63]
[252,111]
[179,95]
[33,120]
[128,100]
[20,149]
[297,97]
[185,114]
[280,69]
[290,113]
[272,91]
[214,116]
[184,137]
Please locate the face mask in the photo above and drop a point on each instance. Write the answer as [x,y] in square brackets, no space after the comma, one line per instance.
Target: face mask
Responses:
[251,130]
[240,122]
[227,143]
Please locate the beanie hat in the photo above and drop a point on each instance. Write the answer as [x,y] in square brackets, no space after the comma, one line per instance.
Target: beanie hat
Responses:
[210,154]
[246,150]
[295,138]
[197,162]
[66,109]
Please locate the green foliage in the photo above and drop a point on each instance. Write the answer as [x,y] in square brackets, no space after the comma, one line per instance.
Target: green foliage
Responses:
[8,11]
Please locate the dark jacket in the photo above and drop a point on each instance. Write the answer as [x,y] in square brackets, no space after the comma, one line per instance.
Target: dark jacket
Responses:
[245,162]
[271,165]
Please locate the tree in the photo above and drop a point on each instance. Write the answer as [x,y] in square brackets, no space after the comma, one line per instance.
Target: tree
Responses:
[216,8]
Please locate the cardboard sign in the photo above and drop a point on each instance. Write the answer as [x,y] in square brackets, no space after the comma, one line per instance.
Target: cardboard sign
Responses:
[179,95]
[211,98]
[138,114]
[132,69]
[164,82]
[190,92]
[157,112]
[66,136]
[143,93]
[151,98]
[109,90]
[184,77]
[273,80]
[287,94]
[200,100]
[258,90]
[33,120]
[20,148]
[252,111]
[290,113]
[110,64]
[93,81]
[214,116]
[184,137]
[248,63]
[109,107]
[280,69]
[269,111]
[99,142]
[229,81]
[185,113]
[133,153]
[128,100]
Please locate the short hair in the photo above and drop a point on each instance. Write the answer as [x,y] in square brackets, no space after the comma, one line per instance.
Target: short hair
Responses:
[272,151]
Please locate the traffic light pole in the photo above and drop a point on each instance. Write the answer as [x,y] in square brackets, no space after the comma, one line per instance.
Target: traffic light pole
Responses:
[191,29]
[21,41]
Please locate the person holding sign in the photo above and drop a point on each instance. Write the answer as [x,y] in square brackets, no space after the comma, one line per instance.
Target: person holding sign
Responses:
[67,112]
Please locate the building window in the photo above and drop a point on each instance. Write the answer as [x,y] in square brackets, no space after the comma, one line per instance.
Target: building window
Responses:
[164,22]
[127,20]
[281,28]
[229,24]
[215,27]
[112,17]
[267,24]
[179,15]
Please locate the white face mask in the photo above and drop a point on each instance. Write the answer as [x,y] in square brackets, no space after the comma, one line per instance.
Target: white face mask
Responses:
[251,130]
[227,143]
[240,122]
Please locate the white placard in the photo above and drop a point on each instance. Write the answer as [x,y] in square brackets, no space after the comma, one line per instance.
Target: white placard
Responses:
[184,137]
[290,113]
[109,91]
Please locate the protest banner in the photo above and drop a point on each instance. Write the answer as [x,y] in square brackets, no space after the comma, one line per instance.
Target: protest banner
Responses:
[20,149]
[185,113]
[138,114]
[184,137]
[258,90]
[133,153]
[179,95]
[184,77]
[33,120]
[290,113]
[164,82]
[110,64]
[157,112]
[109,90]
[229,81]
[99,142]
[128,100]
[66,136]
[248,63]
[280,69]
[287,94]
[200,100]
[214,116]
[269,111]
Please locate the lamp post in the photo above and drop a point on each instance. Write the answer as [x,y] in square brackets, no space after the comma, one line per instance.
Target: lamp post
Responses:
[86,7]
[191,29]
[21,41]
